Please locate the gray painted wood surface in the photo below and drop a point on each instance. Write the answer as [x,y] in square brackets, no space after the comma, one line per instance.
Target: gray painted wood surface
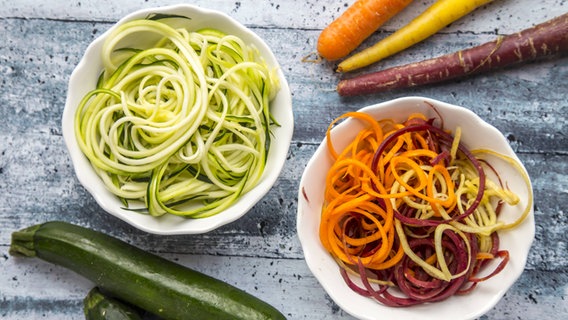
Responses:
[41,42]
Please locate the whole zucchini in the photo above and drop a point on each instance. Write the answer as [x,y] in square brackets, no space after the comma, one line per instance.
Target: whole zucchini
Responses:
[155,284]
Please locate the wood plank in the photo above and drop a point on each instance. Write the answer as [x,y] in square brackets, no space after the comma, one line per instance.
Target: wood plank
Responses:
[500,16]
[286,284]
[50,191]
[517,101]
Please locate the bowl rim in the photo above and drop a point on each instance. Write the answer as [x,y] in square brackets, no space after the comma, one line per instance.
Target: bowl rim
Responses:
[282,134]
[313,250]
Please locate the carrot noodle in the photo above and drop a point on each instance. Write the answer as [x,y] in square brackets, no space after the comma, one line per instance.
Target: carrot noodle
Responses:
[408,208]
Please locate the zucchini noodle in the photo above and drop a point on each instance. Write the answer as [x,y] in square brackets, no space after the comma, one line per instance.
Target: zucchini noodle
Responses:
[408,206]
[182,125]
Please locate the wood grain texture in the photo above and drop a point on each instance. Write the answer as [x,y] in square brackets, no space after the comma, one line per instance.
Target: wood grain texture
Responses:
[40,44]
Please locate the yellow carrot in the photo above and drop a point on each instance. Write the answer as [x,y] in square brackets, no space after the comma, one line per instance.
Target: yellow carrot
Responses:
[435,18]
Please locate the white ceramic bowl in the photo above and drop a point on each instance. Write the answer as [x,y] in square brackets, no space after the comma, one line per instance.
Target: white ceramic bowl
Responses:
[83,79]
[475,134]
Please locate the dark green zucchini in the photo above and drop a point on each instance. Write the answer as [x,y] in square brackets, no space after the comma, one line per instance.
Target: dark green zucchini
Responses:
[155,284]
[99,306]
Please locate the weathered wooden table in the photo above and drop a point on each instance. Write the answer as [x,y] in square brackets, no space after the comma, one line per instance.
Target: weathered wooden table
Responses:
[41,42]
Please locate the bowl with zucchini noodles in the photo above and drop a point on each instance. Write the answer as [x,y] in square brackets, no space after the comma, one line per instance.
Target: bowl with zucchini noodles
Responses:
[178,119]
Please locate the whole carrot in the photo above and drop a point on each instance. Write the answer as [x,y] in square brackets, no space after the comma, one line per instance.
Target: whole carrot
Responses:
[436,17]
[546,39]
[356,24]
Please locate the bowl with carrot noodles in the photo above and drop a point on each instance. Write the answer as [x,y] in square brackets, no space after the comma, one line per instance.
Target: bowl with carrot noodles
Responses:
[415,209]
[178,119]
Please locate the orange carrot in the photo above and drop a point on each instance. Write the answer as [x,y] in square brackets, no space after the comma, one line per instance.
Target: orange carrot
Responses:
[356,24]
[436,17]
